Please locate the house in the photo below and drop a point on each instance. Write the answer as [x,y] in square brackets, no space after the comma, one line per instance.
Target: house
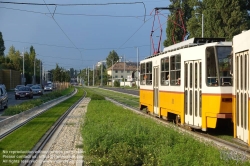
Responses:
[121,70]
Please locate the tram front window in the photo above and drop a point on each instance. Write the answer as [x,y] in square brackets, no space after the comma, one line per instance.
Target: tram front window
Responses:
[224,65]
[218,65]
[211,70]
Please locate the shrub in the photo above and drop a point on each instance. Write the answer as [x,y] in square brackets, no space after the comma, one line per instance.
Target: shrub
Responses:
[97,97]
[117,83]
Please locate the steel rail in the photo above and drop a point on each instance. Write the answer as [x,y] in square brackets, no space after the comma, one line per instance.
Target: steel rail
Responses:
[22,124]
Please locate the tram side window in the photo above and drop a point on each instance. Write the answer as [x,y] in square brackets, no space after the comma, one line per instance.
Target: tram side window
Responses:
[175,70]
[165,71]
[212,75]
[142,75]
[148,73]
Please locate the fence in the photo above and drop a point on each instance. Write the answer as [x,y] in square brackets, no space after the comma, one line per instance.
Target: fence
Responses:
[10,78]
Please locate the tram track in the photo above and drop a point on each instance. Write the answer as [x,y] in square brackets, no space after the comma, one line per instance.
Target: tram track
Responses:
[43,109]
[32,155]
[30,159]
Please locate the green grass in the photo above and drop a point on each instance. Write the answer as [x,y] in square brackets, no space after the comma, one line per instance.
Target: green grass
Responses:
[16,109]
[27,136]
[116,136]
[122,98]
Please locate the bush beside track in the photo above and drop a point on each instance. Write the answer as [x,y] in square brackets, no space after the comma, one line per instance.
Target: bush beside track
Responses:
[113,135]
[26,137]
[16,109]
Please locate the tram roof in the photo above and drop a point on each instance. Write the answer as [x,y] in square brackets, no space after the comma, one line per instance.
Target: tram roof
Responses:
[189,43]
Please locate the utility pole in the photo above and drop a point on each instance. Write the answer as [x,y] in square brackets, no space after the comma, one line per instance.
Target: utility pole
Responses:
[93,75]
[43,76]
[23,68]
[88,76]
[202,22]
[34,71]
[124,72]
[101,75]
[137,68]
[40,73]
[112,74]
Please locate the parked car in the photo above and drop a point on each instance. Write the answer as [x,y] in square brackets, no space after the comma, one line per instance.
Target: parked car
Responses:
[3,86]
[29,85]
[37,90]
[3,97]
[17,87]
[24,92]
[48,88]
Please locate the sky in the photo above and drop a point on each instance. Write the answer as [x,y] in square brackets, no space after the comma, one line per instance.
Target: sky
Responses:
[79,36]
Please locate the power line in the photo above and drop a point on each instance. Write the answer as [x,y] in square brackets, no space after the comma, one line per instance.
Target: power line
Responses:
[86,49]
[76,14]
[134,33]
[80,4]
[61,57]
[38,44]
[62,29]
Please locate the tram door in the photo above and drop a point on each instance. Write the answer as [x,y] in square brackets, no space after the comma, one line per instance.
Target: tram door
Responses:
[156,89]
[192,94]
[242,95]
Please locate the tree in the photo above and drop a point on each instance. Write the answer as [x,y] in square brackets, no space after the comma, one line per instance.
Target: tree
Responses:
[57,73]
[15,58]
[113,56]
[175,18]
[226,20]
[2,47]
[29,63]
[222,18]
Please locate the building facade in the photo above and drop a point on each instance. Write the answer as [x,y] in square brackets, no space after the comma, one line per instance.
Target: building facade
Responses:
[121,70]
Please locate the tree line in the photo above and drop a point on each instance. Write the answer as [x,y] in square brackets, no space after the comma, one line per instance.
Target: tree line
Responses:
[222,19]
[14,60]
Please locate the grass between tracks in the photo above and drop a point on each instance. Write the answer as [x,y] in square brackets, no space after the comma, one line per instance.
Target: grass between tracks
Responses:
[16,109]
[113,135]
[26,137]
[122,98]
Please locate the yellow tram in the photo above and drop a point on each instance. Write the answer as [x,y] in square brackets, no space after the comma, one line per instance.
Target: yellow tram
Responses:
[241,98]
[189,82]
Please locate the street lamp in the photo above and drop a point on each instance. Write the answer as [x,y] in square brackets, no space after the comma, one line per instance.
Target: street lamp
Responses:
[40,73]
[23,71]
[101,74]
[93,75]
[202,23]
[112,74]
[88,76]
[124,72]
[137,68]
[34,70]
[23,79]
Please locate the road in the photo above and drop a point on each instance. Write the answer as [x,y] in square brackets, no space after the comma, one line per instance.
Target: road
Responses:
[13,101]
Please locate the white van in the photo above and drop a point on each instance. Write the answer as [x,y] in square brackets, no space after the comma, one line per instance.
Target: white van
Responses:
[3,97]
